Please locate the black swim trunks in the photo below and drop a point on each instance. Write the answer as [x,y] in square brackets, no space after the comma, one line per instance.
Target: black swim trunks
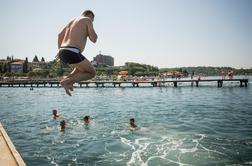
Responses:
[70,55]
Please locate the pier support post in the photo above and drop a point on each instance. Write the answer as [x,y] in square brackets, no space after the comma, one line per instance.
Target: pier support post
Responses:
[135,84]
[241,83]
[197,83]
[119,84]
[154,84]
[219,83]
[175,83]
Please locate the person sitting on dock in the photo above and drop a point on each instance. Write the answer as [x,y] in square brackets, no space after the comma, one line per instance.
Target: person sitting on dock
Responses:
[62,125]
[86,120]
[55,114]
[71,43]
[133,126]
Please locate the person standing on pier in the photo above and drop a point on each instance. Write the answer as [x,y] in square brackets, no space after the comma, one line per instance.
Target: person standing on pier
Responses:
[71,43]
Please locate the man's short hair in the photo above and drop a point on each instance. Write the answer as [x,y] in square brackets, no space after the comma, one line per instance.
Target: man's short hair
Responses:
[88,12]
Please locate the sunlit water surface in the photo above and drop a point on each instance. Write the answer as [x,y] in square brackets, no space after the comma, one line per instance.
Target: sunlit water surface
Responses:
[177,126]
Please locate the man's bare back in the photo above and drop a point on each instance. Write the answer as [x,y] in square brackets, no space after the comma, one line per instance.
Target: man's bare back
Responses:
[76,33]
[71,43]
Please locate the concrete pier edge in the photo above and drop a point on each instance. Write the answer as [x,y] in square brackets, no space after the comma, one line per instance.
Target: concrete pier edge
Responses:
[17,157]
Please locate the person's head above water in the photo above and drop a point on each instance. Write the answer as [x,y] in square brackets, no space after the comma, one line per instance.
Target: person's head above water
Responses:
[89,13]
[55,113]
[132,123]
[62,124]
[86,119]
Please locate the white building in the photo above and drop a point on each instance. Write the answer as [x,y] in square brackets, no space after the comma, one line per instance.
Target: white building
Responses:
[17,67]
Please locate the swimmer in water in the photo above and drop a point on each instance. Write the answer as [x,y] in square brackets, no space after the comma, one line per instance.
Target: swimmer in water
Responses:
[86,120]
[55,114]
[62,125]
[133,126]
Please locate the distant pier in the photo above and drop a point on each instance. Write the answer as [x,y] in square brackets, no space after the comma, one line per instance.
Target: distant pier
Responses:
[159,83]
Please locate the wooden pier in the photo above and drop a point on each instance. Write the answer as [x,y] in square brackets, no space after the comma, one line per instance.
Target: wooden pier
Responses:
[159,83]
[8,153]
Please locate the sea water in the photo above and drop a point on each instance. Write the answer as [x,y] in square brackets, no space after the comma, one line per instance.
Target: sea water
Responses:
[186,125]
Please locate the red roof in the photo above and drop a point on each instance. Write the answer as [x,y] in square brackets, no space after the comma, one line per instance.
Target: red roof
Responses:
[17,63]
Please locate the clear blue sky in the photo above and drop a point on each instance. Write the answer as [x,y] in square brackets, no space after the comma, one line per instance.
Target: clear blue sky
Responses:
[163,33]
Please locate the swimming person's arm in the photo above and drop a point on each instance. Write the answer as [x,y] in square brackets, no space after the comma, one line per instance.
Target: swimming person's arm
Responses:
[91,32]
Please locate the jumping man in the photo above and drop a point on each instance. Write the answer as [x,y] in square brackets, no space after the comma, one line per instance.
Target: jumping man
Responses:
[71,43]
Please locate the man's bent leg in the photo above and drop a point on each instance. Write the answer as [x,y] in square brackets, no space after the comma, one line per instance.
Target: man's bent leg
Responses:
[83,71]
[75,70]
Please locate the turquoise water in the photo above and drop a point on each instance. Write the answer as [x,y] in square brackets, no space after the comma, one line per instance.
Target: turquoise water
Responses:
[177,126]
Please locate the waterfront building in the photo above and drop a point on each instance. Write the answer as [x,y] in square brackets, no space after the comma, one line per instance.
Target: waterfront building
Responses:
[103,61]
[17,66]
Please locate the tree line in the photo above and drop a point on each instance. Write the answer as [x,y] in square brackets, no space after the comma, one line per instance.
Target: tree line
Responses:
[56,69]
[208,70]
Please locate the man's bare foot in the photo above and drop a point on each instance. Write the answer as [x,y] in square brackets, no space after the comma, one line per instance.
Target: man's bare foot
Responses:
[65,85]
[70,87]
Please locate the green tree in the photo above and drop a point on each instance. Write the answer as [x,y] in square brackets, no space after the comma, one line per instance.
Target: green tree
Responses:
[8,66]
[25,66]
[1,68]
[8,58]
[35,59]
[42,59]
[56,69]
